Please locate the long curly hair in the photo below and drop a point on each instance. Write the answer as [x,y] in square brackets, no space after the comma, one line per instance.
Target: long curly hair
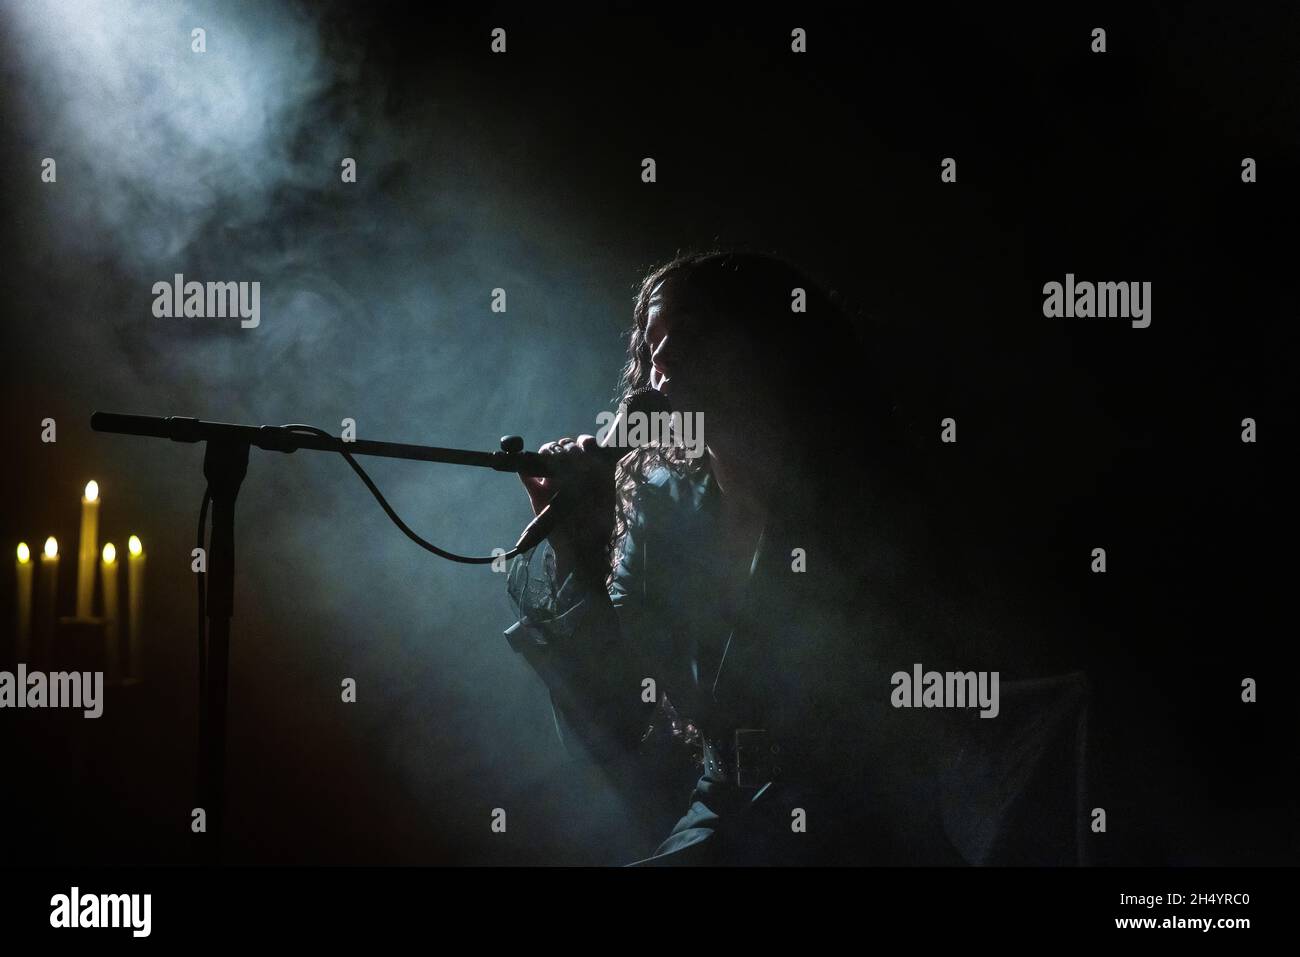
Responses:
[820,371]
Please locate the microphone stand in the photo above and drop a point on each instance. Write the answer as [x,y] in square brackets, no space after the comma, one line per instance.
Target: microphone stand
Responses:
[225,463]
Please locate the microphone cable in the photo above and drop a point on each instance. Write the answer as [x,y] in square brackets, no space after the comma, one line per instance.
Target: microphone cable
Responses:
[388,509]
[200,577]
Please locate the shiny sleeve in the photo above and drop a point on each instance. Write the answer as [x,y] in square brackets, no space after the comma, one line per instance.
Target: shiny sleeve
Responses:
[582,641]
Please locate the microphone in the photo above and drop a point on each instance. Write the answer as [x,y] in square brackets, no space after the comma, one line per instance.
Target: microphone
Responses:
[645,401]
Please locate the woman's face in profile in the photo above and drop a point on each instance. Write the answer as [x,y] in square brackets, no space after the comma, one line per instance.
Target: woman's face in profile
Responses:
[704,364]
[666,334]
[692,360]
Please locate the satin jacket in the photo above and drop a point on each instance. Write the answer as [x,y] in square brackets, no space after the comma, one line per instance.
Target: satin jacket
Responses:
[781,708]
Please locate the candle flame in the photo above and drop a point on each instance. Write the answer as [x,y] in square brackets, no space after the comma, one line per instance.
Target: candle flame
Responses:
[110,553]
[51,548]
[24,553]
[92,490]
[134,545]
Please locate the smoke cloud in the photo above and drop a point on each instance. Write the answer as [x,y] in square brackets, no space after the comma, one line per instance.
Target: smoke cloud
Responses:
[224,165]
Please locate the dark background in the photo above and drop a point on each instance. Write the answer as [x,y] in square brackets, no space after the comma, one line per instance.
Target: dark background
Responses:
[523,171]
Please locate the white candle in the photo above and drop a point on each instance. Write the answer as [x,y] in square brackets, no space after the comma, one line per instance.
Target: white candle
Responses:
[111,650]
[135,610]
[88,550]
[25,570]
[49,594]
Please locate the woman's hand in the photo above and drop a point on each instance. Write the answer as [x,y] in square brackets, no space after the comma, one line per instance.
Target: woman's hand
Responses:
[585,521]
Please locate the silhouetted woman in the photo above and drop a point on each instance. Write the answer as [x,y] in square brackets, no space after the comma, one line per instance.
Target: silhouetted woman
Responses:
[744,609]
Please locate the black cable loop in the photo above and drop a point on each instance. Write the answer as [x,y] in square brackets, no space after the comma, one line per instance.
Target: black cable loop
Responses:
[428,546]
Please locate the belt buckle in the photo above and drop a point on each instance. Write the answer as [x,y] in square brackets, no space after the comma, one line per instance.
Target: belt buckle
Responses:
[715,766]
[756,758]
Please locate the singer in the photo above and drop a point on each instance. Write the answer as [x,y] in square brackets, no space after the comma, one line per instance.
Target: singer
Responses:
[735,616]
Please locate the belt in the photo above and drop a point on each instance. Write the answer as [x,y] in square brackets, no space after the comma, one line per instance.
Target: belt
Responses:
[748,758]
[751,759]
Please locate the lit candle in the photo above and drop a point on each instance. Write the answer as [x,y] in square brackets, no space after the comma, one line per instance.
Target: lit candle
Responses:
[49,588]
[111,651]
[135,602]
[25,569]
[88,550]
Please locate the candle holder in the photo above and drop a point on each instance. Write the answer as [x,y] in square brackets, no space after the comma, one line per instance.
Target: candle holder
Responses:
[79,645]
